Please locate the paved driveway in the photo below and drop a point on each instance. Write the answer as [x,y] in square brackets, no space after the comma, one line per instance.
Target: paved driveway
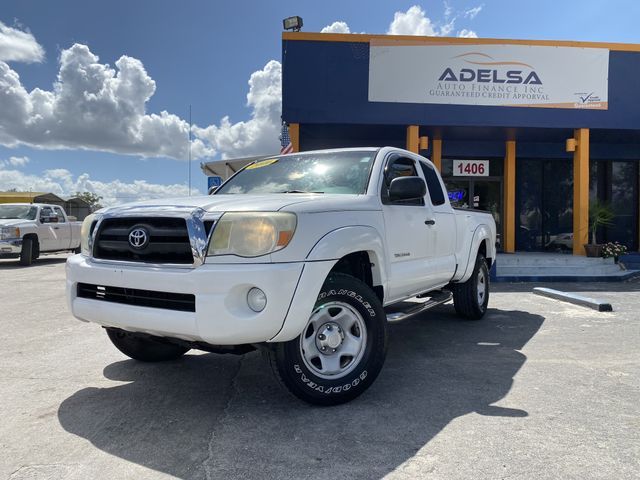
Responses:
[539,389]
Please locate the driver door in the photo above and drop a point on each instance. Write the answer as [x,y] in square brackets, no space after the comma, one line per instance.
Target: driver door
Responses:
[46,234]
[62,229]
[408,237]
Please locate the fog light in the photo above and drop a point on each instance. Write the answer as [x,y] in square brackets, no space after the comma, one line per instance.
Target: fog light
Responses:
[256,299]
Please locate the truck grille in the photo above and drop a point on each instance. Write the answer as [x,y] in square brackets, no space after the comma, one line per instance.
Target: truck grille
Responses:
[182,302]
[159,240]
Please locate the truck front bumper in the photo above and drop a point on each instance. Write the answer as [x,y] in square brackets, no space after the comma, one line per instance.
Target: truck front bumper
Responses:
[221,313]
[10,248]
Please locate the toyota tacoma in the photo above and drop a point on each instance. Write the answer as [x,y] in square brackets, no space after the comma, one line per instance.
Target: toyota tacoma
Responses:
[306,256]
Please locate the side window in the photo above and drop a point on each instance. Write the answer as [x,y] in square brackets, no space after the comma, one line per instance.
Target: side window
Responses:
[60,214]
[399,167]
[433,184]
[45,213]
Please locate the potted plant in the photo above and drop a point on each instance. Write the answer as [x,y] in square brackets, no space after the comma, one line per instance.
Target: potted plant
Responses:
[600,215]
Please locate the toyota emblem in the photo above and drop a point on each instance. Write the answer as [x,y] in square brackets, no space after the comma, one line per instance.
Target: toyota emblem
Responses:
[138,238]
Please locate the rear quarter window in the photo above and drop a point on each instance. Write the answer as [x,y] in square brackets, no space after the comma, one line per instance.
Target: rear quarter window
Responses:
[433,184]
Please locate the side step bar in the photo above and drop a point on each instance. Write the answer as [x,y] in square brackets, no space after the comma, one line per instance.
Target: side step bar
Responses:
[415,305]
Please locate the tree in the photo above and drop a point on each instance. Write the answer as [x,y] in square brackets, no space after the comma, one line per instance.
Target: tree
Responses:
[91,198]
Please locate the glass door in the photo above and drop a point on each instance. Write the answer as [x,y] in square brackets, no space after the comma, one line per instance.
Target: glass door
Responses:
[544,205]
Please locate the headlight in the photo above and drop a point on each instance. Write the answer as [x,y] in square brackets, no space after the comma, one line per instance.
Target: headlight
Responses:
[252,234]
[7,233]
[85,234]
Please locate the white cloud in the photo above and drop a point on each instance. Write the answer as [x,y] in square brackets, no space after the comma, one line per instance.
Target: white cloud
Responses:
[448,10]
[64,184]
[260,133]
[91,106]
[464,33]
[472,12]
[336,27]
[18,161]
[19,46]
[14,162]
[96,107]
[415,22]
[412,22]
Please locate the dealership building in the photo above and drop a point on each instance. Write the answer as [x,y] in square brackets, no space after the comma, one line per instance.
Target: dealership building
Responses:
[533,131]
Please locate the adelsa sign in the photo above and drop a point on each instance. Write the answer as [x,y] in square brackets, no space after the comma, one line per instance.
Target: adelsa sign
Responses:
[498,75]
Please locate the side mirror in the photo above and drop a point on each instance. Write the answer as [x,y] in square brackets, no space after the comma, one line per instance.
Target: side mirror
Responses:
[212,190]
[407,188]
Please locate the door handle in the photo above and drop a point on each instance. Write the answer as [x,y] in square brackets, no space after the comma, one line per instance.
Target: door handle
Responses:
[56,228]
[430,222]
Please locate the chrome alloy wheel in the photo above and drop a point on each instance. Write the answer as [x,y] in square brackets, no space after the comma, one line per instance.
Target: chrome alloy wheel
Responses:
[481,287]
[334,341]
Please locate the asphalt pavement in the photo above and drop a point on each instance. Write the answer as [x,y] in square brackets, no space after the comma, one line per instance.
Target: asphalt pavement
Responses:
[539,389]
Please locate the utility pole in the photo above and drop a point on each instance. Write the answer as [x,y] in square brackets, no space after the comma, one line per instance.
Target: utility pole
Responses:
[189,150]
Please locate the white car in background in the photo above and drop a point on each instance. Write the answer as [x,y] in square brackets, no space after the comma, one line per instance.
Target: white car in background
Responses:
[28,230]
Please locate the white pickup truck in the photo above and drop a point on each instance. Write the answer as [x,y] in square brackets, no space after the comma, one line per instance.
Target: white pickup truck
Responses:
[29,229]
[307,256]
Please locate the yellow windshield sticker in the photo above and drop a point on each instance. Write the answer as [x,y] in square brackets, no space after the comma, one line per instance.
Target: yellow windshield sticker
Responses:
[262,163]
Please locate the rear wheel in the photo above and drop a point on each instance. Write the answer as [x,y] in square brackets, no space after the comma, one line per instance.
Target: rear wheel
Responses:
[27,252]
[471,298]
[341,350]
[144,348]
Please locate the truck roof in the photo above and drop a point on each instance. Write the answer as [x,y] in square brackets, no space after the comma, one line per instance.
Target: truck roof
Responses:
[33,204]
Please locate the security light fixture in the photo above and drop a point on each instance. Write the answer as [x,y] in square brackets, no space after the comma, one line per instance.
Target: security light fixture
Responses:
[292,23]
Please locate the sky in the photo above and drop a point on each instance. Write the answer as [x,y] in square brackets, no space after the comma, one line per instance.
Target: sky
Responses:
[95,96]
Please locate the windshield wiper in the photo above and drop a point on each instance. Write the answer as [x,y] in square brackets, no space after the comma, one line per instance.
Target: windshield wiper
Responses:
[298,191]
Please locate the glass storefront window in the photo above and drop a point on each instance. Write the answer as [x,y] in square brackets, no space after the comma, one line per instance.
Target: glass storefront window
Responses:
[616,183]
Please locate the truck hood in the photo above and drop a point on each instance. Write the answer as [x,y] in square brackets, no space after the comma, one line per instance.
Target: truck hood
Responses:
[308,202]
[14,222]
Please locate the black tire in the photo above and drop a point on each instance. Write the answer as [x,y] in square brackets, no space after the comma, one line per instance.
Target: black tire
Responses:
[466,297]
[77,250]
[300,376]
[145,348]
[27,252]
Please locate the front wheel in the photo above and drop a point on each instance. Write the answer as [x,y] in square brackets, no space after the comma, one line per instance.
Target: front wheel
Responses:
[27,253]
[144,348]
[471,298]
[341,350]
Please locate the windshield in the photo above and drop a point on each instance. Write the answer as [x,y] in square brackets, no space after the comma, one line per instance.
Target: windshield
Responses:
[327,172]
[24,212]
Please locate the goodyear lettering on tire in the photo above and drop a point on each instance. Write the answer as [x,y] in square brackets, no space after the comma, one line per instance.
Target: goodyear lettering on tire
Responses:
[320,388]
[351,294]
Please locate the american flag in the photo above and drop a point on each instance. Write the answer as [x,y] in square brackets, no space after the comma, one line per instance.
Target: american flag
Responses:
[285,141]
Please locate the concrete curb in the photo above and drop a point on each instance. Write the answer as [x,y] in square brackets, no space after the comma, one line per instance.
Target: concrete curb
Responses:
[596,304]
[566,278]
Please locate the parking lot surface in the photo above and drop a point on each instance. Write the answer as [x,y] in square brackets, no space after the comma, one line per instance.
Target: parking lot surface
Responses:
[539,389]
